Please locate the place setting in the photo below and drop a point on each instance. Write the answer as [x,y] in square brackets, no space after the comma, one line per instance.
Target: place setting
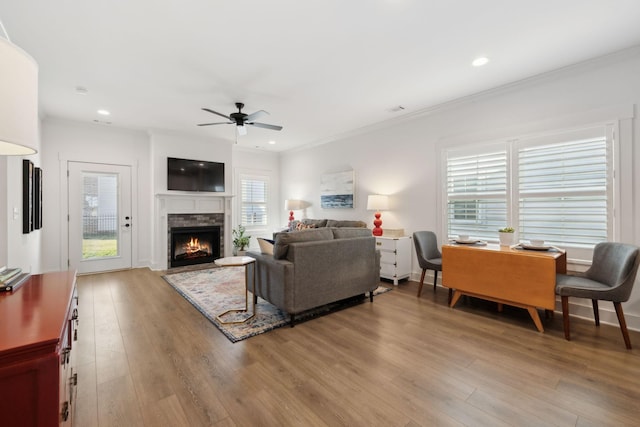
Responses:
[465,239]
[537,245]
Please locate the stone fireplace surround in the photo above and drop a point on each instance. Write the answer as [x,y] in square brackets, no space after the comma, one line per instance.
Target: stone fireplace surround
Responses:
[180,210]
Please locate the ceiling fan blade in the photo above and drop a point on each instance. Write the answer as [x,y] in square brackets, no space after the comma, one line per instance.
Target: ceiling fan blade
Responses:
[242,130]
[253,116]
[219,123]
[266,126]
[215,112]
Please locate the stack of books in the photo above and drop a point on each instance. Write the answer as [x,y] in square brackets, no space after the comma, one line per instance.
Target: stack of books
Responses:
[11,278]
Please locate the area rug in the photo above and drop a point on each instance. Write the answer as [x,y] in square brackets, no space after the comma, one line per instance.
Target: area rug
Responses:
[213,291]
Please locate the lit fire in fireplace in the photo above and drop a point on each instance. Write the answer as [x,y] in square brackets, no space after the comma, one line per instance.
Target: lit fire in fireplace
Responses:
[193,247]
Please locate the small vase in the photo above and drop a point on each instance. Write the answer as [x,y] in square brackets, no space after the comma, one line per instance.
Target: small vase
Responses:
[506,239]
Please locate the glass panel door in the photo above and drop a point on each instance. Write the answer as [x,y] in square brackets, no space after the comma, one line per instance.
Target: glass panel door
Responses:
[99,217]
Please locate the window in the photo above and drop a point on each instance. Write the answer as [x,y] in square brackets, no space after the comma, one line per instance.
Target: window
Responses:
[254,192]
[562,192]
[557,188]
[476,192]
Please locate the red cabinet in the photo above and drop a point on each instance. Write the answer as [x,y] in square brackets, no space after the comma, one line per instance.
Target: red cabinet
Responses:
[37,335]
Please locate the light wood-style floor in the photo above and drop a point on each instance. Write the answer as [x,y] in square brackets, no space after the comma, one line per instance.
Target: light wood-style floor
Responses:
[146,357]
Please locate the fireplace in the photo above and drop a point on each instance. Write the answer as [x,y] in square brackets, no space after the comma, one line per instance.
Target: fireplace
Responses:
[194,245]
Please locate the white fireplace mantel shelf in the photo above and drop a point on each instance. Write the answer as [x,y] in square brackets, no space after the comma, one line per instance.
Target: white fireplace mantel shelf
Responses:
[192,203]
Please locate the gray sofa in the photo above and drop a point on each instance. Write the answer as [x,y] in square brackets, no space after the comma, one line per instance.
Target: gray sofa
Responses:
[318,266]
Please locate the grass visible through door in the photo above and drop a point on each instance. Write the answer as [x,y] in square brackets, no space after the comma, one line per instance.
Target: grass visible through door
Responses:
[99,248]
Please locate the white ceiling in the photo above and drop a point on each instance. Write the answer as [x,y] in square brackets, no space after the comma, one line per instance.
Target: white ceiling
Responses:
[321,68]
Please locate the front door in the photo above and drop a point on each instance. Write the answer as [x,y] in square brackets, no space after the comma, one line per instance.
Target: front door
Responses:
[99,217]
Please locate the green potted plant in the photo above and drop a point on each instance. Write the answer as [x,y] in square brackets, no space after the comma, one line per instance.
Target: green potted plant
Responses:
[240,240]
[506,236]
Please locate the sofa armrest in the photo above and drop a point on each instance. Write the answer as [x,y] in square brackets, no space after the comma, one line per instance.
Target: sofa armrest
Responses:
[273,278]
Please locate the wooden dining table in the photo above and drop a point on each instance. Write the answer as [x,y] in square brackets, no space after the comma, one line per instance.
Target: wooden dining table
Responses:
[507,275]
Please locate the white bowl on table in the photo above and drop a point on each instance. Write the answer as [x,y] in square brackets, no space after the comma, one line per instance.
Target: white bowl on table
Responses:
[536,242]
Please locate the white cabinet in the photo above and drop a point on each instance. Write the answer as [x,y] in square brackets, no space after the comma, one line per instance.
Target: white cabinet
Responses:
[395,257]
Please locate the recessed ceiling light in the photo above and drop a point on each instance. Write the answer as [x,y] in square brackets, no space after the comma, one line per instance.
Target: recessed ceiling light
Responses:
[272,142]
[104,112]
[81,90]
[479,62]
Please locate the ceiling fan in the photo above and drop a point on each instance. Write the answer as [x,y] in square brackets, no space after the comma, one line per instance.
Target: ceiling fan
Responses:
[241,119]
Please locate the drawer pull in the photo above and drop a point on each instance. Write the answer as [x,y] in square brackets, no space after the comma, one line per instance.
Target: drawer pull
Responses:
[378,243]
[65,411]
[75,335]
[75,314]
[64,357]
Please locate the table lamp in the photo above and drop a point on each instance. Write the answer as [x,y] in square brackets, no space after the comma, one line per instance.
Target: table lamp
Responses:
[377,202]
[292,205]
[18,101]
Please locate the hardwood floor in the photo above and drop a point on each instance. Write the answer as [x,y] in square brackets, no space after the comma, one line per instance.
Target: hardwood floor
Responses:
[146,357]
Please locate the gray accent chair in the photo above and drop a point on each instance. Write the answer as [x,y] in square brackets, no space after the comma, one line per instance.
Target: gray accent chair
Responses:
[429,256]
[610,278]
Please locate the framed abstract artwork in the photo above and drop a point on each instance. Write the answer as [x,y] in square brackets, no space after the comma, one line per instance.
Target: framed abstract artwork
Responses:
[37,198]
[337,190]
[27,196]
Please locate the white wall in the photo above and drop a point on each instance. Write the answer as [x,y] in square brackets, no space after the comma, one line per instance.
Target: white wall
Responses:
[401,159]
[17,249]
[73,141]
[170,144]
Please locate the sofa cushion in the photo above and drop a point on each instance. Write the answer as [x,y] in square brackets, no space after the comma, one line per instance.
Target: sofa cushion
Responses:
[283,240]
[350,232]
[266,246]
[336,223]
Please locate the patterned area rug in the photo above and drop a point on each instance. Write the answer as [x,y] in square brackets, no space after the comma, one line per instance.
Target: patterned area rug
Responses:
[213,291]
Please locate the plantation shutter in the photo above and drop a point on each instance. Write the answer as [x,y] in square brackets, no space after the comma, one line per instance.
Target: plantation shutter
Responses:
[477,186]
[254,195]
[562,191]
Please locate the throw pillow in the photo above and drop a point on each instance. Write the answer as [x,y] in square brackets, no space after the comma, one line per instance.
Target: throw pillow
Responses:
[318,223]
[293,224]
[266,246]
[302,226]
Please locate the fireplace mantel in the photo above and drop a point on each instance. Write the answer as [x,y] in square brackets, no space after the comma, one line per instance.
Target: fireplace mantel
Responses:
[167,203]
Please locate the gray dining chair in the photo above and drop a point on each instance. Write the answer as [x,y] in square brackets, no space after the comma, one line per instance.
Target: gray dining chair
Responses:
[429,256]
[610,278]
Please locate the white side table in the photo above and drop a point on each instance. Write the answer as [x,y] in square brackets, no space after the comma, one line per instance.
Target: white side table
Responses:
[395,257]
[239,261]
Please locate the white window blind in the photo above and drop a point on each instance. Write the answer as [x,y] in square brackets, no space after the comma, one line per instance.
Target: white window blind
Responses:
[557,187]
[562,192]
[476,193]
[254,198]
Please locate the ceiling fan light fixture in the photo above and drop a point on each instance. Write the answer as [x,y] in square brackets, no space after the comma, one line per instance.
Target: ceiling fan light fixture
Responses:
[241,119]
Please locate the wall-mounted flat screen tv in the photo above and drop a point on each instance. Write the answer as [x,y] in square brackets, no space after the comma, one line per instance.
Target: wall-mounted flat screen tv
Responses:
[194,175]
